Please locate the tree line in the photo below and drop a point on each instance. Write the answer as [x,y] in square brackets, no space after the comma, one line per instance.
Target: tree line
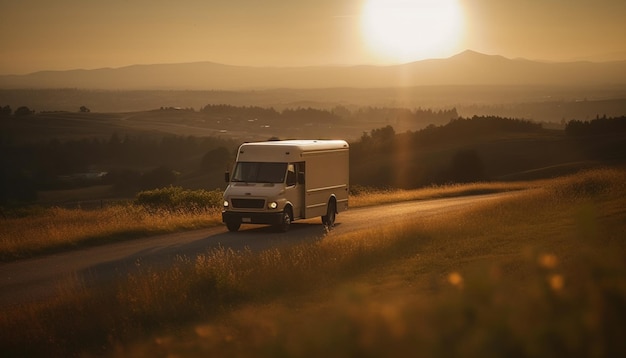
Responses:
[380,158]
[128,163]
[449,153]
[383,158]
[392,115]
[600,125]
[6,111]
[306,114]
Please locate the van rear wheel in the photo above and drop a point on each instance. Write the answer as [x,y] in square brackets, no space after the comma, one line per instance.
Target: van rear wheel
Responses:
[329,219]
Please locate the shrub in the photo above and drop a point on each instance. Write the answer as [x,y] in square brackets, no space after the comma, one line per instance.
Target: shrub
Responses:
[176,198]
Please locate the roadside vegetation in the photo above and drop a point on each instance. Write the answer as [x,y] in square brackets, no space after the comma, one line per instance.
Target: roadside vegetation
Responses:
[540,274]
[28,232]
[37,230]
[451,149]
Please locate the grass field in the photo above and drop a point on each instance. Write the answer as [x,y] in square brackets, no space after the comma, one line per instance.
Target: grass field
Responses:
[542,275]
[40,230]
[56,229]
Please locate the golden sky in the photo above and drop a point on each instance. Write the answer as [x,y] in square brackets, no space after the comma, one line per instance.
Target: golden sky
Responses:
[71,34]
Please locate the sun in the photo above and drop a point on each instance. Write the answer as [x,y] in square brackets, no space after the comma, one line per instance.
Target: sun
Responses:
[409,30]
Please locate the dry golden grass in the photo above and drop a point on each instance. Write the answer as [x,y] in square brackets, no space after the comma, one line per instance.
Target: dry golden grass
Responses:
[57,228]
[540,274]
[54,229]
[370,197]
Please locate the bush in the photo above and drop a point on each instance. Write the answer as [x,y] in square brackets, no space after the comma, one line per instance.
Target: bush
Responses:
[23,111]
[176,198]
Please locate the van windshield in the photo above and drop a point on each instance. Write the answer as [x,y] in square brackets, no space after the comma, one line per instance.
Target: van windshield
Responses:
[258,172]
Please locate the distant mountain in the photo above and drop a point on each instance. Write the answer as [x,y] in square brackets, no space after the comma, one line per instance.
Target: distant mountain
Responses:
[466,68]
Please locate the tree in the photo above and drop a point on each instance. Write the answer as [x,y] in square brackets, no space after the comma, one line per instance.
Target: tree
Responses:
[384,133]
[5,111]
[23,111]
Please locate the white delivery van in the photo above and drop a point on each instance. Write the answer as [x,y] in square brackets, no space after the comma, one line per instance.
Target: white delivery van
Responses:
[277,182]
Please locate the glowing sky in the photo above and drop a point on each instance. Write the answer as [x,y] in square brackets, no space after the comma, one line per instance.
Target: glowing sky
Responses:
[70,34]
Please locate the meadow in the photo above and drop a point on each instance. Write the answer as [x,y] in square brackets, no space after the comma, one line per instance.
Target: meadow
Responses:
[37,230]
[541,274]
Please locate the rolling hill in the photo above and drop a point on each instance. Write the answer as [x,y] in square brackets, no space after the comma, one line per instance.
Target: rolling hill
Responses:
[466,68]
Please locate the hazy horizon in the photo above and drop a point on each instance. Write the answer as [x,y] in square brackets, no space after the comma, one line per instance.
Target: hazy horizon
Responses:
[39,35]
[269,66]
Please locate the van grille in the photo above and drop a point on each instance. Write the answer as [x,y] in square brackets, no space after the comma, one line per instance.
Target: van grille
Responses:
[248,203]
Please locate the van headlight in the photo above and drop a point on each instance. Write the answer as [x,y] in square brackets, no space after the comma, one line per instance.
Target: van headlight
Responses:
[272,205]
[226,203]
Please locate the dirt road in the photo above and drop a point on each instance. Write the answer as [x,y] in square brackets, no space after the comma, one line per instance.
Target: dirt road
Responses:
[41,278]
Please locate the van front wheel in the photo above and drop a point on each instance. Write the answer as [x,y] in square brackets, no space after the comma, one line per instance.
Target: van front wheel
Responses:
[233,226]
[285,222]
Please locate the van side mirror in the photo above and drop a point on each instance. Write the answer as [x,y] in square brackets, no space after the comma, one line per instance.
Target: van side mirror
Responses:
[227,177]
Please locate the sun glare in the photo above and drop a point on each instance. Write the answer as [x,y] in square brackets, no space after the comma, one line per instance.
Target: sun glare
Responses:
[409,30]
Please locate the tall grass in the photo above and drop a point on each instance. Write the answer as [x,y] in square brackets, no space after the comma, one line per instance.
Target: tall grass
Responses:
[541,274]
[45,230]
[55,229]
[364,196]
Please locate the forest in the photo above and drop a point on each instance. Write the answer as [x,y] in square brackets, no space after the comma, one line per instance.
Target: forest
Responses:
[479,148]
